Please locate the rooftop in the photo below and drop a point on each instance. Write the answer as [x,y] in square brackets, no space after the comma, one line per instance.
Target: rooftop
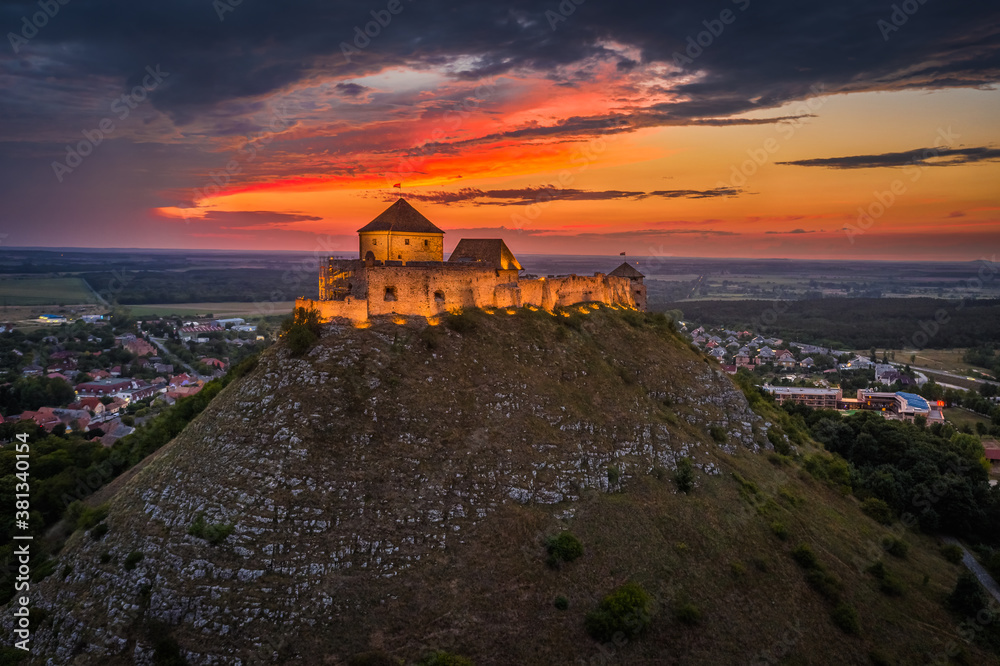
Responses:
[401,217]
[914,401]
[802,390]
[491,251]
[626,271]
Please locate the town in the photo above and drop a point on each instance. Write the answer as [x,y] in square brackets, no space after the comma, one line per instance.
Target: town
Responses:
[849,381]
[100,376]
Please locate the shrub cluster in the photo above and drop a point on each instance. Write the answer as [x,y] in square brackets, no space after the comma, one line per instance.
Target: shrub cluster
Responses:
[626,611]
[564,547]
[888,583]
[684,475]
[214,533]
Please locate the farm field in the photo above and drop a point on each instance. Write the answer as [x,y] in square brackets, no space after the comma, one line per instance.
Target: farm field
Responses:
[945,360]
[960,416]
[45,291]
[218,310]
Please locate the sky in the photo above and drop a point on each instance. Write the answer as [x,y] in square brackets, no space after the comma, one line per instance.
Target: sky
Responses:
[738,128]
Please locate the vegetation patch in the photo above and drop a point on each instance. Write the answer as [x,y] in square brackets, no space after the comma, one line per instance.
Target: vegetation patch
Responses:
[688,613]
[888,583]
[564,547]
[214,533]
[846,618]
[301,330]
[627,610]
[684,475]
[952,552]
[132,559]
[896,547]
[877,510]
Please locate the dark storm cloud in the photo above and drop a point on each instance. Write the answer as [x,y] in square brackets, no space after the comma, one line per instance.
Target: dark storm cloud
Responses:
[768,54]
[529,195]
[351,89]
[248,219]
[939,157]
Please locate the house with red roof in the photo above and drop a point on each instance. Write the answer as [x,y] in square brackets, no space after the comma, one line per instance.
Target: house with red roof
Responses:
[91,404]
[182,379]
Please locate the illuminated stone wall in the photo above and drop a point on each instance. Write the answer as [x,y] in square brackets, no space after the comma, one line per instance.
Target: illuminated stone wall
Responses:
[429,290]
[401,247]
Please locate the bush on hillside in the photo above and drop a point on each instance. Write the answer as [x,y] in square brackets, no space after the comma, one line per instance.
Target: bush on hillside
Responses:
[877,510]
[805,557]
[628,610]
[564,547]
[213,533]
[684,475]
[952,552]
[846,618]
[896,547]
[301,330]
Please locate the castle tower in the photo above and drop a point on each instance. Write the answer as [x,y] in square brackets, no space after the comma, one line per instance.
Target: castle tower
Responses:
[638,288]
[401,233]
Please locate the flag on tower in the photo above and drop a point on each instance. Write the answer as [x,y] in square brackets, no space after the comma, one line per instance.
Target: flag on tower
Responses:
[399,185]
[622,254]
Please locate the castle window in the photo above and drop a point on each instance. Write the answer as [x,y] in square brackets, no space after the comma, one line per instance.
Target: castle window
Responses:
[374,242]
[439,296]
[426,243]
[406,242]
[390,293]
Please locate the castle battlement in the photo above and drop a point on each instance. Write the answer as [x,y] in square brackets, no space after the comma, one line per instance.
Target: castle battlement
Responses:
[401,271]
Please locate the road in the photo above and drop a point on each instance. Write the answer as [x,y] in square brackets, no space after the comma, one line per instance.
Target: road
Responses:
[694,288]
[977,570]
[159,343]
[952,375]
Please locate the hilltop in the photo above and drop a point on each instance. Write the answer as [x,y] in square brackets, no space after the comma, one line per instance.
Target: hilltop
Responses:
[394,489]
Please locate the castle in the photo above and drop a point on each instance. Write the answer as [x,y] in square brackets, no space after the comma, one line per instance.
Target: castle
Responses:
[401,271]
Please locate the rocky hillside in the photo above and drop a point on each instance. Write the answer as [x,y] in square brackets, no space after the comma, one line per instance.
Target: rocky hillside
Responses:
[393,490]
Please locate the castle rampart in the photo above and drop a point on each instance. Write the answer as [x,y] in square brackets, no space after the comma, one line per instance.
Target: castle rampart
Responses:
[482,273]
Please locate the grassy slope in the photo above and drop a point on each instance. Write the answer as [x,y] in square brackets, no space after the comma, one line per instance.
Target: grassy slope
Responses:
[494,595]
[491,597]
[489,594]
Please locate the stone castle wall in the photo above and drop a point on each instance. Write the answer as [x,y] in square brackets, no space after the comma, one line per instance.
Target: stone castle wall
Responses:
[434,288]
